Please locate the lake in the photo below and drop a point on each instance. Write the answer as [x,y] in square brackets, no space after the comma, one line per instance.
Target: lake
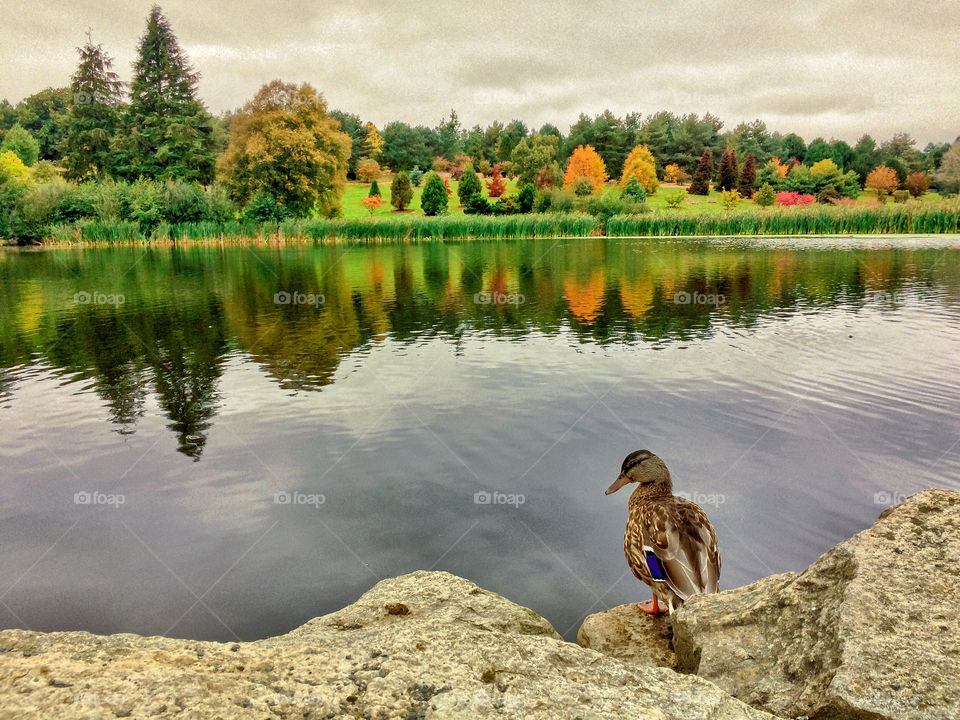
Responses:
[224,442]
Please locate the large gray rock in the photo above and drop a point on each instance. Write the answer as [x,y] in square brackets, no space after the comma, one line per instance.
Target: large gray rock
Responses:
[871,630]
[627,633]
[425,645]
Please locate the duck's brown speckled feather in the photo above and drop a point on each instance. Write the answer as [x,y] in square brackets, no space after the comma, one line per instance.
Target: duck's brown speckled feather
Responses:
[683,540]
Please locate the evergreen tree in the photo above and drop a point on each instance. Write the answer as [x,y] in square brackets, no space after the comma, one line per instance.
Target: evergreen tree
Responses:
[701,178]
[168,133]
[469,184]
[94,117]
[416,176]
[748,175]
[728,170]
[401,191]
[374,189]
[434,197]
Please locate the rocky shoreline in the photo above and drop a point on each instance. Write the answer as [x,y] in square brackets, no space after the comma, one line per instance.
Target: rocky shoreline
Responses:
[869,631]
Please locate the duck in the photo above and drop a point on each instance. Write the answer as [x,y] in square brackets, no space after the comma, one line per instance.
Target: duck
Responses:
[669,543]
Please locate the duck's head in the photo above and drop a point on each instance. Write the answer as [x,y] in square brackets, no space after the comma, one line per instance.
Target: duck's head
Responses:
[645,469]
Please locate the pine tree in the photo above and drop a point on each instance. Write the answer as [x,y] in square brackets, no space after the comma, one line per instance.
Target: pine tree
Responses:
[469,184]
[434,197]
[748,175]
[374,189]
[728,170]
[496,186]
[701,178]
[94,117]
[168,131]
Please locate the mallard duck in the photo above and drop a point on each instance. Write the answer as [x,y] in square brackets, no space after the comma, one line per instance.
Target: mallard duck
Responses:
[669,543]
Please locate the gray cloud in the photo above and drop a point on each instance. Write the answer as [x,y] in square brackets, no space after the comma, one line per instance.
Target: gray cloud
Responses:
[835,68]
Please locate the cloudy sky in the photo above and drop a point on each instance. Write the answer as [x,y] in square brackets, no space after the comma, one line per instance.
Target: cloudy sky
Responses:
[835,68]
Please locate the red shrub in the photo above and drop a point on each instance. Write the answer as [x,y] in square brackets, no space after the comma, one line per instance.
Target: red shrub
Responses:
[794,198]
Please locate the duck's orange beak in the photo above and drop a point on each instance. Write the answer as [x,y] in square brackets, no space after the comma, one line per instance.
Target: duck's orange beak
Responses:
[617,484]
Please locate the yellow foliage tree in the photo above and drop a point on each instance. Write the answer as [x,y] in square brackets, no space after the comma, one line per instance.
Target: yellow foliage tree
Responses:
[12,168]
[641,165]
[586,163]
[780,169]
[824,167]
[883,180]
[374,140]
[672,172]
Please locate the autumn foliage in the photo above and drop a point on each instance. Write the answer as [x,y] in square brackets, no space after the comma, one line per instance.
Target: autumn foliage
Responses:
[917,183]
[496,185]
[586,163]
[372,203]
[883,180]
[368,170]
[671,173]
[794,198]
[641,165]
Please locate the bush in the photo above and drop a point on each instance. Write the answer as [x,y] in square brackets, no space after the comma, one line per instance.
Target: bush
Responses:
[765,196]
[401,190]
[220,208]
[525,198]
[182,202]
[263,207]
[900,196]
[582,187]
[559,201]
[917,183]
[476,204]
[828,194]
[633,190]
[729,198]
[605,206]
[794,198]
[469,185]
[505,206]
[416,176]
[19,141]
[433,201]
[368,170]
[441,164]
[674,198]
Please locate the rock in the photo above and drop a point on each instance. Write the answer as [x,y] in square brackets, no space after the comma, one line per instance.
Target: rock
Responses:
[870,630]
[627,633]
[425,645]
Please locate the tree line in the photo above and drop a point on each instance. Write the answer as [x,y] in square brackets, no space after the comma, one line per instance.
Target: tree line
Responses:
[285,153]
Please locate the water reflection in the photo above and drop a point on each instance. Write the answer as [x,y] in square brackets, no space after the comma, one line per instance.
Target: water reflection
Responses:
[185,310]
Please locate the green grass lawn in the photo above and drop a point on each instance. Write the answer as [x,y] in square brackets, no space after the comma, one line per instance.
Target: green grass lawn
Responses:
[356,191]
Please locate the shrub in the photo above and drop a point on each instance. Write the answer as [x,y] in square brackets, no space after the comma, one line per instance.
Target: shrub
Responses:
[263,207]
[20,142]
[900,196]
[496,185]
[505,206]
[483,167]
[416,176]
[374,189]
[372,203]
[220,207]
[583,186]
[525,198]
[883,180]
[182,202]
[794,198]
[633,190]
[549,176]
[401,190]
[917,183]
[560,201]
[469,185]
[605,206]
[641,166]
[368,170]
[441,164]
[828,194]
[433,201]
[729,198]
[585,163]
[476,204]
[12,169]
[701,178]
[675,198]
[765,196]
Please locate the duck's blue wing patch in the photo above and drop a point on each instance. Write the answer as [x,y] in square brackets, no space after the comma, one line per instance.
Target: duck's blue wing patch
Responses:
[654,565]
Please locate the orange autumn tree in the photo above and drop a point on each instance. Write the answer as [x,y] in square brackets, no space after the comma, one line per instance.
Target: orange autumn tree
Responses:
[671,173]
[585,163]
[781,170]
[372,203]
[883,180]
[641,165]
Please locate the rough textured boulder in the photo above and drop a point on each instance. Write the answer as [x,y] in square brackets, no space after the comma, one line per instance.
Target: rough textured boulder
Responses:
[425,645]
[626,633]
[871,630]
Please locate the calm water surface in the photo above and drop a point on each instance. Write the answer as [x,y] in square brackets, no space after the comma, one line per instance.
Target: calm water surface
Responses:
[148,445]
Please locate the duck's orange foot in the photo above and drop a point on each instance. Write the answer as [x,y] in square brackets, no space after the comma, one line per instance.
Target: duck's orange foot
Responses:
[651,607]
